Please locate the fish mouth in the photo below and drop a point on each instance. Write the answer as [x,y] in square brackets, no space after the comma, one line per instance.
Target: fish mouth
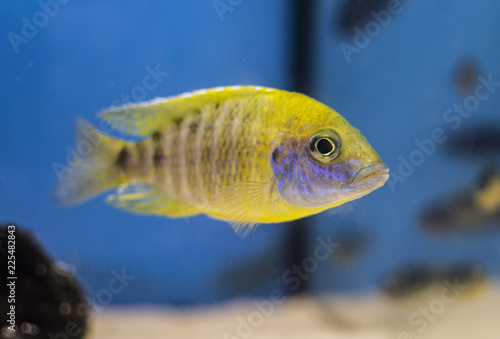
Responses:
[374,173]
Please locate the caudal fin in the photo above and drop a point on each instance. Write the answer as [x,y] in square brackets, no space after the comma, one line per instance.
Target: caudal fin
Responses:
[93,169]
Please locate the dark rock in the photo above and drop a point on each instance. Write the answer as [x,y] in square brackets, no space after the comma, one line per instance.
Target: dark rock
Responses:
[49,300]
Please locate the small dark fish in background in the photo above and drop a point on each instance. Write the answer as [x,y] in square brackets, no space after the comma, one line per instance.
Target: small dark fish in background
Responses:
[478,142]
[351,246]
[245,277]
[357,13]
[407,280]
[411,280]
[474,209]
[49,300]
[466,76]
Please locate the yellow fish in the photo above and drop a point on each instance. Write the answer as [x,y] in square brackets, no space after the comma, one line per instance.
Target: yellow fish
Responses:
[245,154]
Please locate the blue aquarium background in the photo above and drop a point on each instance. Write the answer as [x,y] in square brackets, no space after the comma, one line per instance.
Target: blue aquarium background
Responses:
[397,75]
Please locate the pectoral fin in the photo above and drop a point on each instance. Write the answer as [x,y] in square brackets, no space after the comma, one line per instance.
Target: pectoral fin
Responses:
[242,205]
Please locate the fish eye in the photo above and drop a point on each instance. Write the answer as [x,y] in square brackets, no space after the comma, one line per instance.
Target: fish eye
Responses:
[325,145]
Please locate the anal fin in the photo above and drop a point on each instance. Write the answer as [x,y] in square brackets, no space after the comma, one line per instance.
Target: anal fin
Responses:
[145,198]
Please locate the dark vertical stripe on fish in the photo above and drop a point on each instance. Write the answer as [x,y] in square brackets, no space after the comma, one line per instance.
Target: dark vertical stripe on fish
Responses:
[175,165]
[225,142]
[192,155]
[168,163]
[198,146]
[157,149]
[182,157]
[123,159]
[215,147]
[235,132]
[205,143]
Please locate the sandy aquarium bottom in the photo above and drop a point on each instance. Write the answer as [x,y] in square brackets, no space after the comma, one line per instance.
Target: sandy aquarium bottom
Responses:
[437,313]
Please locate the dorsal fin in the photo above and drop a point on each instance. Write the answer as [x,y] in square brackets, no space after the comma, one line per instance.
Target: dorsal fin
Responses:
[142,118]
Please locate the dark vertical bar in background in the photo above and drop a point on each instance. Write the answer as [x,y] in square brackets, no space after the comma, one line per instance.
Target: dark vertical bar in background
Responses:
[302,29]
[302,45]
